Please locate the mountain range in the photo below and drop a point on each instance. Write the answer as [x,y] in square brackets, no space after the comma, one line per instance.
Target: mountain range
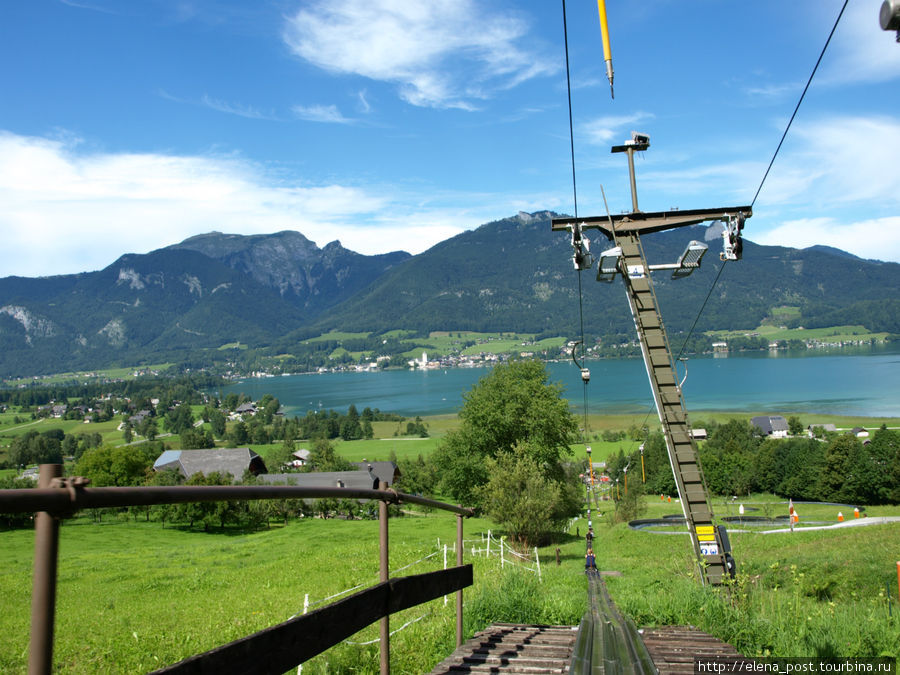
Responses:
[184,302]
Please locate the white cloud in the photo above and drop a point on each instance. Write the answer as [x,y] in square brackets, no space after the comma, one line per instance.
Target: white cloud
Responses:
[602,130]
[219,105]
[233,108]
[413,45]
[878,239]
[838,161]
[364,105]
[320,113]
[66,210]
[860,50]
[64,213]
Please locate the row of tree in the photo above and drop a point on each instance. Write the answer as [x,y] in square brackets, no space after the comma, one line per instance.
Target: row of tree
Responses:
[738,460]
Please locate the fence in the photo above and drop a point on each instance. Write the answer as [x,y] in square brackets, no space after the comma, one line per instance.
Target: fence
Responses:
[490,546]
[272,650]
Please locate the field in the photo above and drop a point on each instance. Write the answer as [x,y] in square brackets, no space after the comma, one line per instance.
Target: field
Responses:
[134,596]
[126,373]
[831,334]
[384,442]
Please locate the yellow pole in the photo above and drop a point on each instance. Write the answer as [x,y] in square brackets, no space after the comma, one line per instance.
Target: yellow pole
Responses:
[607,52]
[643,475]
[590,466]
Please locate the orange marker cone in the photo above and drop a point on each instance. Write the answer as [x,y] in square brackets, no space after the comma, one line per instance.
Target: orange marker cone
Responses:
[840,517]
[856,513]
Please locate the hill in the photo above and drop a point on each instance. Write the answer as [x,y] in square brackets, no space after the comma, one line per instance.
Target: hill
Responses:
[515,274]
[183,303]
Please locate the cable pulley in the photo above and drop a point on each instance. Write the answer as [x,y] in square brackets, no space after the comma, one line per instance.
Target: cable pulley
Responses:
[585,373]
[581,248]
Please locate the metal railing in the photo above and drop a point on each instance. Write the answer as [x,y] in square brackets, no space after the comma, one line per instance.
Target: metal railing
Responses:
[272,650]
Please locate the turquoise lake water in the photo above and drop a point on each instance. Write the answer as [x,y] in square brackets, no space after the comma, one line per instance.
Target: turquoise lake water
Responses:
[859,381]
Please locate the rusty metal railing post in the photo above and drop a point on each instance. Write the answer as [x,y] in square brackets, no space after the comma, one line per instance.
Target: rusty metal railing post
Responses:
[43,594]
[384,574]
[459,562]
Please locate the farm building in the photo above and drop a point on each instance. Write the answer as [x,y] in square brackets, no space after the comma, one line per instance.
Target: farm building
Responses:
[389,472]
[811,429]
[773,425]
[222,460]
[359,480]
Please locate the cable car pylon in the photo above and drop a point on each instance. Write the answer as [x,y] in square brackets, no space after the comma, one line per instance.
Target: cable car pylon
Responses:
[627,259]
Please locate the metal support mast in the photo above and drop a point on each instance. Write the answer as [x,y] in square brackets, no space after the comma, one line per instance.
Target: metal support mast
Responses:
[627,258]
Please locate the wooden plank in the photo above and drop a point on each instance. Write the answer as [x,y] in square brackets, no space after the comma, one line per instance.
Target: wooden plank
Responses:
[282,647]
[656,341]
[690,475]
[664,377]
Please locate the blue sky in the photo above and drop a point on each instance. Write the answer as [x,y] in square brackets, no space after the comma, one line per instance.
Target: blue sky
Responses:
[126,126]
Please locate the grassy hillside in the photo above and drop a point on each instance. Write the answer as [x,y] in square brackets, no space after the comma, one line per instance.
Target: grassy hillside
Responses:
[811,593]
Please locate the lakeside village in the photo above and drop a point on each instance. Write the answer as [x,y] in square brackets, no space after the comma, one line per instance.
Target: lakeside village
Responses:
[485,359]
[528,349]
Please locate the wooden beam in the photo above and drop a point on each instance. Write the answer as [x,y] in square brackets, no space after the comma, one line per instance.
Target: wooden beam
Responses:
[282,647]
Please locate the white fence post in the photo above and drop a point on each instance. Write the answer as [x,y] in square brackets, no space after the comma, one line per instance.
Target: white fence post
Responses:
[538,561]
[489,544]
[445,567]
[305,610]
[501,553]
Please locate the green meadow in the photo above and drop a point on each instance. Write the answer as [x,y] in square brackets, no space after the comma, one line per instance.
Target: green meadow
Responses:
[134,596]
[830,334]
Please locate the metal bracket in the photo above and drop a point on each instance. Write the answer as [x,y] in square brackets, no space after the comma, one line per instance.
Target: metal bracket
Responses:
[73,485]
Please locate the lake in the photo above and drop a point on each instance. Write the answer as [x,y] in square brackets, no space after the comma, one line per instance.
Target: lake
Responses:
[857,381]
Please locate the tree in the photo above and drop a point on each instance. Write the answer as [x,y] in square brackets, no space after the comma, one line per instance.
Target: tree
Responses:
[35,448]
[217,423]
[839,478]
[116,467]
[167,477]
[630,503]
[323,457]
[239,435]
[179,419]
[196,439]
[148,428]
[418,476]
[660,479]
[16,519]
[795,426]
[513,406]
[523,499]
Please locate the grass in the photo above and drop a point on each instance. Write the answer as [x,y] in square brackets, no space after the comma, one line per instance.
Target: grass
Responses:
[133,596]
[338,335]
[125,373]
[830,334]
[10,429]
[117,613]
[232,345]
[808,593]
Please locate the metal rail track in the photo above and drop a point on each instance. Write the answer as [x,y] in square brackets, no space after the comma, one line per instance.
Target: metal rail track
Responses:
[608,643]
